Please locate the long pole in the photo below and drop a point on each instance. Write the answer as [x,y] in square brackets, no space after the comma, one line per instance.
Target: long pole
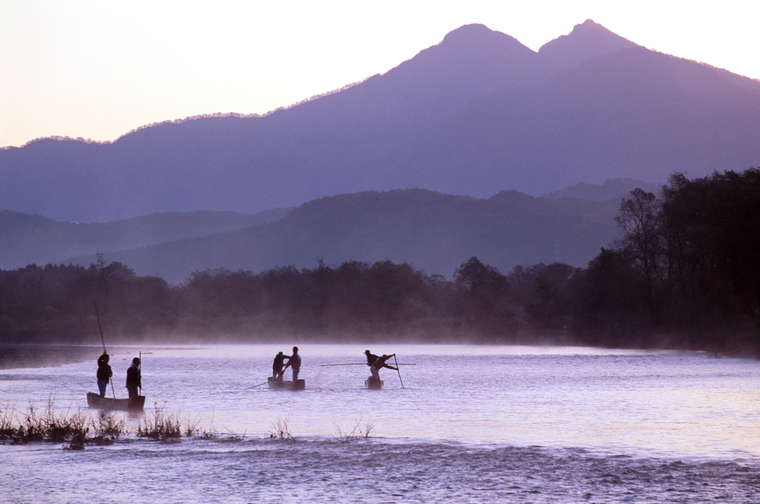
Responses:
[100,328]
[363,364]
[103,341]
[397,370]
[141,387]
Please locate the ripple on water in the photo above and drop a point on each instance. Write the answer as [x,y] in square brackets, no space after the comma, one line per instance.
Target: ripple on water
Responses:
[373,471]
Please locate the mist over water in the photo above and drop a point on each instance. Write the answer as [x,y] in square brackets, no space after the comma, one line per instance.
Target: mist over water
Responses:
[479,423]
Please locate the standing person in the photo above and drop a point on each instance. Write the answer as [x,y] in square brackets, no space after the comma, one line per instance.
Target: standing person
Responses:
[375,363]
[277,364]
[371,358]
[294,361]
[104,373]
[133,378]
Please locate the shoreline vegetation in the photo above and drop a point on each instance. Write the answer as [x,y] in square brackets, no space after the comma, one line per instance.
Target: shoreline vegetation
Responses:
[78,429]
[684,276]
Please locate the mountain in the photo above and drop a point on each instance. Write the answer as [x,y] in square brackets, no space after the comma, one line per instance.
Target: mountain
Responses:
[432,231]
[31,239]
[611,189]
[478,110]
[586,41]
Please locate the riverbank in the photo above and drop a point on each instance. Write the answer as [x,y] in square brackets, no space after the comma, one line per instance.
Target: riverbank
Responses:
[45,355]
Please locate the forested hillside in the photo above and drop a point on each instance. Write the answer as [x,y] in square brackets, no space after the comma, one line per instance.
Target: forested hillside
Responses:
[685,275]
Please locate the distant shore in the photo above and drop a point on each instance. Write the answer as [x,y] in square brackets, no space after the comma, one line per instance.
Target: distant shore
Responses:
[43,355]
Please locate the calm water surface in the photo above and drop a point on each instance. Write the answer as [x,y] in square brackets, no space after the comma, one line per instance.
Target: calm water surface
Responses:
[477,423]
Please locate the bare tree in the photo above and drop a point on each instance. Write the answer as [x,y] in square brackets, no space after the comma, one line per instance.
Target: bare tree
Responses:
[640,220]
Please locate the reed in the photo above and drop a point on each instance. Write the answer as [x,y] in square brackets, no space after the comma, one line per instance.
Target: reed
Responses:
[160,426]
[108,426]
[206,435]
[6,423]
[46,426]
[190,429]
[281,430]
[358,431]
[79,429]
[64,427]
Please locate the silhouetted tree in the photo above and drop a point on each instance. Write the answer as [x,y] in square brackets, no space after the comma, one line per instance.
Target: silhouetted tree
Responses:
[639,218]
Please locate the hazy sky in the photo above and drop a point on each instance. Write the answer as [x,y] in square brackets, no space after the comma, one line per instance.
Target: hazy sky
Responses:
[96,69]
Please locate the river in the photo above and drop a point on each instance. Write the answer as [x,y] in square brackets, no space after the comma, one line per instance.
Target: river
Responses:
[471,423]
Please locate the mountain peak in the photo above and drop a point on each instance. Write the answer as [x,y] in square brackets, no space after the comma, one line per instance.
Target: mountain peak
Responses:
[470,31]
[479,37]
[589,24]
[470,60]
[587,40]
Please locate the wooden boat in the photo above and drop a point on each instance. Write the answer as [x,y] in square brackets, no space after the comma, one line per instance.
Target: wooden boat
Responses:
[95,401]
[286,384]
[373,383]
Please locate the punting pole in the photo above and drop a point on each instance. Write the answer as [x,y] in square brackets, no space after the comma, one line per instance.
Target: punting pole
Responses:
[141,354]
[103,341]
[140,357]
[397,370]
[362,364]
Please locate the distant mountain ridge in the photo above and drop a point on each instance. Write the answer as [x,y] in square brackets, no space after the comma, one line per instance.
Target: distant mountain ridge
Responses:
[432,231]
[611,189]
[477,111]
[28,239]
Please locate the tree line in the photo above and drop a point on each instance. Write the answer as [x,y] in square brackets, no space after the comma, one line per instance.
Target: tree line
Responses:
[687,268]
[685,274]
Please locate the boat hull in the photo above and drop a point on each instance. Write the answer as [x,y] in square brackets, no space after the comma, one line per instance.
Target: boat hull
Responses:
[286,384]
[373,383]
[95,401]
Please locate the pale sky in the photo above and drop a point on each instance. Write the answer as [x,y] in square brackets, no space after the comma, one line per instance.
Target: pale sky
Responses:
[97,69]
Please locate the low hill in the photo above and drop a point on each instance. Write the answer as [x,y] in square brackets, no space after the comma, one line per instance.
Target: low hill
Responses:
[611,189]
[433,231]
[30,239]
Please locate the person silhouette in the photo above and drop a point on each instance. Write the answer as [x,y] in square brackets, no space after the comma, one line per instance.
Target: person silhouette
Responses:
[104,373]
[133,378]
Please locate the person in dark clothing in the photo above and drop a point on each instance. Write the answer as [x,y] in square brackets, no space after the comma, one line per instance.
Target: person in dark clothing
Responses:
[277,364]
[133,378]
[294,362]
[371,358]
[375,363]
[104,373]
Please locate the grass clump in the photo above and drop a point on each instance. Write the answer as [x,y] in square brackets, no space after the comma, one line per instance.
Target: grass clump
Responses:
[46,426]
[206,435]
[358,431]
[7,428]
[78,429]
[281,430]
[107,428]
[161,426]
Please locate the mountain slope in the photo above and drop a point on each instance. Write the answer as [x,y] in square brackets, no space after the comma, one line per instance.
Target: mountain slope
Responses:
[31,239]
[587,40]
[612,189]
[477,111]
[433,231]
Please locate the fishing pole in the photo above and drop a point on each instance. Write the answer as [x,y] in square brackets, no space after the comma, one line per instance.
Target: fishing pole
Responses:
[141,354]
[364,364]
[399,372]
[103,341]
